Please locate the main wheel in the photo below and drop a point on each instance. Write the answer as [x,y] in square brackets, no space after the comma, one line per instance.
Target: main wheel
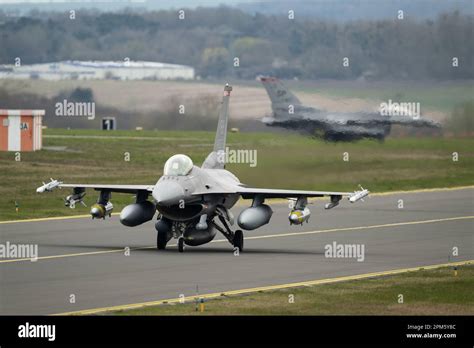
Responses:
[239,240]
[180,244]
[161,240]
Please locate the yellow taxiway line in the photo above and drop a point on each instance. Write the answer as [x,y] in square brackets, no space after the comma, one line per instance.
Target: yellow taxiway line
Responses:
[50,218]
[262,288]
[275,200]
[291,234]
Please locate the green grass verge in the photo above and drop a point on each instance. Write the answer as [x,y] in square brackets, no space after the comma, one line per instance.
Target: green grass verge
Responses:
[425,292]
[284,161]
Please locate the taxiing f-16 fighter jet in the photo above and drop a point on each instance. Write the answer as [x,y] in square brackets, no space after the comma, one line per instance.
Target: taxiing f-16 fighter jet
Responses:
[194,203]
[288,112]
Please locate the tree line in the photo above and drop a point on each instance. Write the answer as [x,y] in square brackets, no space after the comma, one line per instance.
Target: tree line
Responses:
[210,40]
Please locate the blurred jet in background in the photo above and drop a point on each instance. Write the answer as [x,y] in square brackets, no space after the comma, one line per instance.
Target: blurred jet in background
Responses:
[288,112]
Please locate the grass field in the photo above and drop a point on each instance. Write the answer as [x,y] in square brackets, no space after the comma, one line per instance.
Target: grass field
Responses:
[249,99]
[283,161]
[425,292]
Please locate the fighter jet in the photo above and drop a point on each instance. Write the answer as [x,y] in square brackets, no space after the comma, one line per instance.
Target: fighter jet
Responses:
[193,203]
[288,112]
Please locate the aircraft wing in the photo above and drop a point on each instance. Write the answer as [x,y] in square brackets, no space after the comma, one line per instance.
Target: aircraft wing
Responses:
[413,121]
[249,192]
[112,188]
[368,118]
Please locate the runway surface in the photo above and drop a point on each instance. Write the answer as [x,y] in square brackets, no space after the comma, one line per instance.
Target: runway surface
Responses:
[86,258]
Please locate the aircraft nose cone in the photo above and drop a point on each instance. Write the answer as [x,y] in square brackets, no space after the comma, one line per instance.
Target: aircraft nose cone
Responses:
[168,193]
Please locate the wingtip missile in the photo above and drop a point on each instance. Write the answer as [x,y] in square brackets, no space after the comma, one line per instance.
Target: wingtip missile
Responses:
[359,195]
[49,186]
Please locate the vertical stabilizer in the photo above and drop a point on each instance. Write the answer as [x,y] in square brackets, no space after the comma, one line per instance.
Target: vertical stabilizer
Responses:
[216,159]
[278,93]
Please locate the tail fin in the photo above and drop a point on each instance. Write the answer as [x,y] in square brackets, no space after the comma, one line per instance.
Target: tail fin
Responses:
[216,159]
[278,93]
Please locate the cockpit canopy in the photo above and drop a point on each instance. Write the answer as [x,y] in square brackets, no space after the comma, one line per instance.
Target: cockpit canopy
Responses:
[178,165]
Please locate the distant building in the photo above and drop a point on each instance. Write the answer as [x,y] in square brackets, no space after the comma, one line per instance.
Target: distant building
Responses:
[20,130]
[98,70]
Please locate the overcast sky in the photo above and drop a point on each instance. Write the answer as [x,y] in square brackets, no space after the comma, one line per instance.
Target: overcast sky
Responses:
[164,2]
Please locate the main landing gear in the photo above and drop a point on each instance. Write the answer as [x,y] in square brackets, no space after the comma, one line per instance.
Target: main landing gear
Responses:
[180,244]
[164,233]
[161,240]
[235,238]
[238,240]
